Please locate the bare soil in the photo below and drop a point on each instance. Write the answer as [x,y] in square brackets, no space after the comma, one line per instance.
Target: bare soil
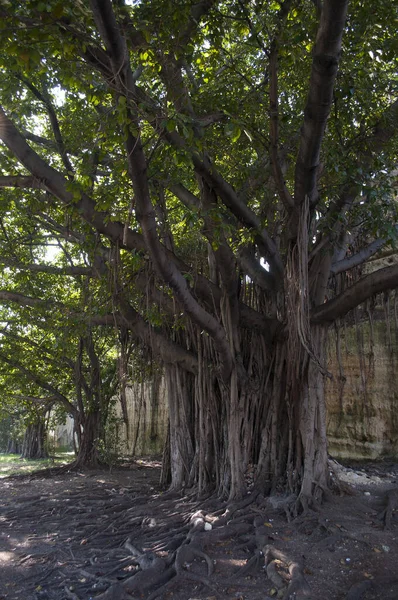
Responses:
[116,535]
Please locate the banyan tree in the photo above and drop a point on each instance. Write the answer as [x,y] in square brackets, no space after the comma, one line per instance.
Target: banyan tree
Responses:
[227,171]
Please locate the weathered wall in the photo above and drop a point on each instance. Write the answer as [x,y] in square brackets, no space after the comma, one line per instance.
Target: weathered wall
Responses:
[147,415]
[362,397]
[62,435]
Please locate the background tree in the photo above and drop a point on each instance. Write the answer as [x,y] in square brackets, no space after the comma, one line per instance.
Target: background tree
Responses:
[228,169]
[54,361]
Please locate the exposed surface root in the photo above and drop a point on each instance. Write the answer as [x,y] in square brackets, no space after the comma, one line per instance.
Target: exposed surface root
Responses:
[359,589]
[392,506]
[286,572]
[82,536]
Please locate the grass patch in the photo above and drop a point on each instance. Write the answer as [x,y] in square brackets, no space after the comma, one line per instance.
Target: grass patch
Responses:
[12,464]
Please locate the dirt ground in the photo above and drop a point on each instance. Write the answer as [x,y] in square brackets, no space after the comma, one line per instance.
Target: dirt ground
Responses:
[117,535]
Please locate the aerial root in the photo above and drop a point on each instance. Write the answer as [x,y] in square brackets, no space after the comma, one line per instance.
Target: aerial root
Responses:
[284,572]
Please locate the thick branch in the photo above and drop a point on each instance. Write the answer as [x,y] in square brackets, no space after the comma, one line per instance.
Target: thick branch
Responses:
[283,192]
[198,10]
[46,400]
[161,346]
[152,338]
[21,299]
[57,185]
[40,268]
[21,181]
[324,70]
[230,198]
[359,258]
[251,266]
[374,283]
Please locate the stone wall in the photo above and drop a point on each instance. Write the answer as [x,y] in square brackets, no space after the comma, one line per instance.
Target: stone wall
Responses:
[362,397]
[147,418]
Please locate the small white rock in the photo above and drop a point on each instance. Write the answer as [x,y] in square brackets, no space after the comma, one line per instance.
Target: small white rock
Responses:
[208,526]
[366,493]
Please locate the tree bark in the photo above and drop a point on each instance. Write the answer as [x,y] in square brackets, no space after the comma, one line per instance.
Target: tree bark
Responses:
[180,400]
[90,433]
[293,453]
[34,442]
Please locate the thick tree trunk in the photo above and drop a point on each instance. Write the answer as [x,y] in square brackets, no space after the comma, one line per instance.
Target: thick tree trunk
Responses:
[313,438]
[34,442]
[180,399]
[88,455]
[294,443]
[14,446]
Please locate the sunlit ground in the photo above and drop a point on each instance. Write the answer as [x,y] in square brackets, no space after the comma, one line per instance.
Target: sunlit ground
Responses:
[12,464]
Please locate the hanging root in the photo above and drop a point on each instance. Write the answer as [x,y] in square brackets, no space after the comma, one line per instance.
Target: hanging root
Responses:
[285,572]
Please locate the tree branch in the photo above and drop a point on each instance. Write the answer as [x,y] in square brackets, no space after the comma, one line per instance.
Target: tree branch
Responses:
[374,283]
[41,268]
[21,181]
[251,266]
[324,70]
[283,192]
[45,99]
[246,216]
[163,348]
[359,258]
[35,399]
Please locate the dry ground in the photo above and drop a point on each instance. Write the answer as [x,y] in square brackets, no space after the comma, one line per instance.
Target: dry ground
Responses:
[116,535]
